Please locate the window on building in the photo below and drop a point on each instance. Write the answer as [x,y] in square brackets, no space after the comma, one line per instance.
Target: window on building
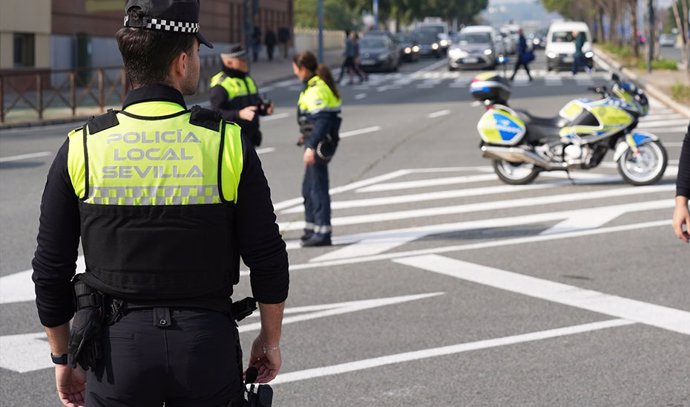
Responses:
[24,50]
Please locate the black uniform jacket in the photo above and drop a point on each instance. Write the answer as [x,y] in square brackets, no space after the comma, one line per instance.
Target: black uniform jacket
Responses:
[261,245]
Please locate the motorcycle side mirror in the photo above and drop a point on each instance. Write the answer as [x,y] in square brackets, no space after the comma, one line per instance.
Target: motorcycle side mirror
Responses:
[615,77]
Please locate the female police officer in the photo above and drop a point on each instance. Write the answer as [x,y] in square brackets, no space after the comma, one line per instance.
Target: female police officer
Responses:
[165,200]
[318,110]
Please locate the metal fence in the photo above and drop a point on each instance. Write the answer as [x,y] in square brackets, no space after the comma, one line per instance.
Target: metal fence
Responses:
[30,95]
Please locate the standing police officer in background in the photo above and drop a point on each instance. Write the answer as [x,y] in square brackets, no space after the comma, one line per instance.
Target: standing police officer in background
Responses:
[165,201]
[318,116]
[235,96]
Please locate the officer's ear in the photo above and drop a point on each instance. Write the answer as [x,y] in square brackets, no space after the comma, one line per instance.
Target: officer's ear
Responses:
[179,67]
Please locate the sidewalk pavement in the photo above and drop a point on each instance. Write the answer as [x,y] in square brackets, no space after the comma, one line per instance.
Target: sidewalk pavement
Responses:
[657,83]
[263,72]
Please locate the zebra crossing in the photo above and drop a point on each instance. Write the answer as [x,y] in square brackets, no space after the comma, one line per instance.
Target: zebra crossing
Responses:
[382,82]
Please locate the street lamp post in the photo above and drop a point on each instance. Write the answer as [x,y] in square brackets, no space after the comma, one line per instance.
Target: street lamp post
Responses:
[652,27]
[320,15]
[375,8]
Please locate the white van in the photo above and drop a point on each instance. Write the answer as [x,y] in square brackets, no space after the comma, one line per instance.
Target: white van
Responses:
[560,44]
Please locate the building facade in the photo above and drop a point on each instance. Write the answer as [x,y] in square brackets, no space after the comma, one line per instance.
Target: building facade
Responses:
[68,34]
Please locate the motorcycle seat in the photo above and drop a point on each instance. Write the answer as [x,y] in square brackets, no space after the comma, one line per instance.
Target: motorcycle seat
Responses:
[542,129]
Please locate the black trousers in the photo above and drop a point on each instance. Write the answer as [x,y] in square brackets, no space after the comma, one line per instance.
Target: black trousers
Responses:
[317,200]
[180,357]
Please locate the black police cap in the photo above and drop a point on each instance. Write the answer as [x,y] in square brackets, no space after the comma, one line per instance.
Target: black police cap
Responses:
[174,16]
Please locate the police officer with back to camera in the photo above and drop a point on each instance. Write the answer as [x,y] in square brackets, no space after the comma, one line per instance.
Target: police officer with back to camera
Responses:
[165,200]
[235,96]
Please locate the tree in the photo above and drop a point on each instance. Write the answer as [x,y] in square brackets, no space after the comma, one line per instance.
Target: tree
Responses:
[337,14]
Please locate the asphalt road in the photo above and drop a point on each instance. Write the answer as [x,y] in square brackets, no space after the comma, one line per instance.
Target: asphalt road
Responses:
[444,286]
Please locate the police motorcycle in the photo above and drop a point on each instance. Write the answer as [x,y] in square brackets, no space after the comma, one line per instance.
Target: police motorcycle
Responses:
[522,145]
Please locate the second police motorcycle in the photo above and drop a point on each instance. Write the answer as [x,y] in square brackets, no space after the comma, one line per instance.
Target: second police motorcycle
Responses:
[522,145]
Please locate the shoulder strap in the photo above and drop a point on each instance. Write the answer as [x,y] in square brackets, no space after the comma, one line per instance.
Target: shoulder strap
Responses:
[103,122]
[206,118]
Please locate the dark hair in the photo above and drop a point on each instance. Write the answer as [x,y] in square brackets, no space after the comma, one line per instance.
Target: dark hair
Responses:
[308,61]
[147,54]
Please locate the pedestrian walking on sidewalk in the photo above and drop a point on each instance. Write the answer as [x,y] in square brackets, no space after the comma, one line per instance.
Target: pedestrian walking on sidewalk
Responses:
[319,121]
[681,215]
[235,96]
[256,43]
[165,200]
[524,56]
[270,41]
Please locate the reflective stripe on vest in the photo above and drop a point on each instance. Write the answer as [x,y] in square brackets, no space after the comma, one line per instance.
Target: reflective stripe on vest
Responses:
[235,87]
[317,97]
[159,160]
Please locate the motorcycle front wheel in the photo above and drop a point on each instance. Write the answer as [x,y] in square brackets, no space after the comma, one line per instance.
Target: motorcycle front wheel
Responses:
[645,169]
[515,173]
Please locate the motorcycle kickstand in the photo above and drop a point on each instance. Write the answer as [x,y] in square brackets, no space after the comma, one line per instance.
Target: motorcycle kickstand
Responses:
[572,181]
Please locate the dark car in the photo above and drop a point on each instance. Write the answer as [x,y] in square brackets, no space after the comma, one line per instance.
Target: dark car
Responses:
[409,46]
[378,53]
[428,44]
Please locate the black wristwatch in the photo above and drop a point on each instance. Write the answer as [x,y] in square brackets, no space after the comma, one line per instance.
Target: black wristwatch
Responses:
[59,360]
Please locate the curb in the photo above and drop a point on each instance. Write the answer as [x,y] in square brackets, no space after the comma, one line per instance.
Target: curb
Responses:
[613,65]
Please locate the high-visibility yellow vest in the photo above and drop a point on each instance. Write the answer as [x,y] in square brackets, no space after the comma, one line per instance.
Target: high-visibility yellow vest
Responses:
[158,186]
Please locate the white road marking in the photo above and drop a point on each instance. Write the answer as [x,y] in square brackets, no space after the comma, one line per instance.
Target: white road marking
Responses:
[485,206]
[674,144]
[265,150]
[440,113]
[374,243]
[632,310]
[360,131]
[18,287]
[342,308]
[27,352]
[25,156]
[428,183]
[429,196]
[354,185]
[480,246]
[444,351]
[679,130]
[276,116]
[662,123]
[661,116]
[360,96]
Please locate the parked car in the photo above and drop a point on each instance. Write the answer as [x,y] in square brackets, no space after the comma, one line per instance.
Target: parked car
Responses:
[409,46]
[477,47]
[560,45]
[428,44]
[378,52]
[667,40]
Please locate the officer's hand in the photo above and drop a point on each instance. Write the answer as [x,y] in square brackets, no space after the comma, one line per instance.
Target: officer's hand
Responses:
[269,110]
[681,217]
[248,113]
[309,156]
[71,385]
[266,359]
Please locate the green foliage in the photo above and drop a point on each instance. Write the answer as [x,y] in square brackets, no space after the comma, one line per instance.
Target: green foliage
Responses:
[661,63]
[681,92]
[337,14]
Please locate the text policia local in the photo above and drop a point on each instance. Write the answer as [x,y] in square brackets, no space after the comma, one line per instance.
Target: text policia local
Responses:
[135,150]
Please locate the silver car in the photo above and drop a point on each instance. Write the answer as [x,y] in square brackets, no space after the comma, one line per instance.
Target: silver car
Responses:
[474,50]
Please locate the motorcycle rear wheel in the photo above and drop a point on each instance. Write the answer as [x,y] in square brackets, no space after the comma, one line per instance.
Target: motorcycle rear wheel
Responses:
[515,173]
[647,168]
